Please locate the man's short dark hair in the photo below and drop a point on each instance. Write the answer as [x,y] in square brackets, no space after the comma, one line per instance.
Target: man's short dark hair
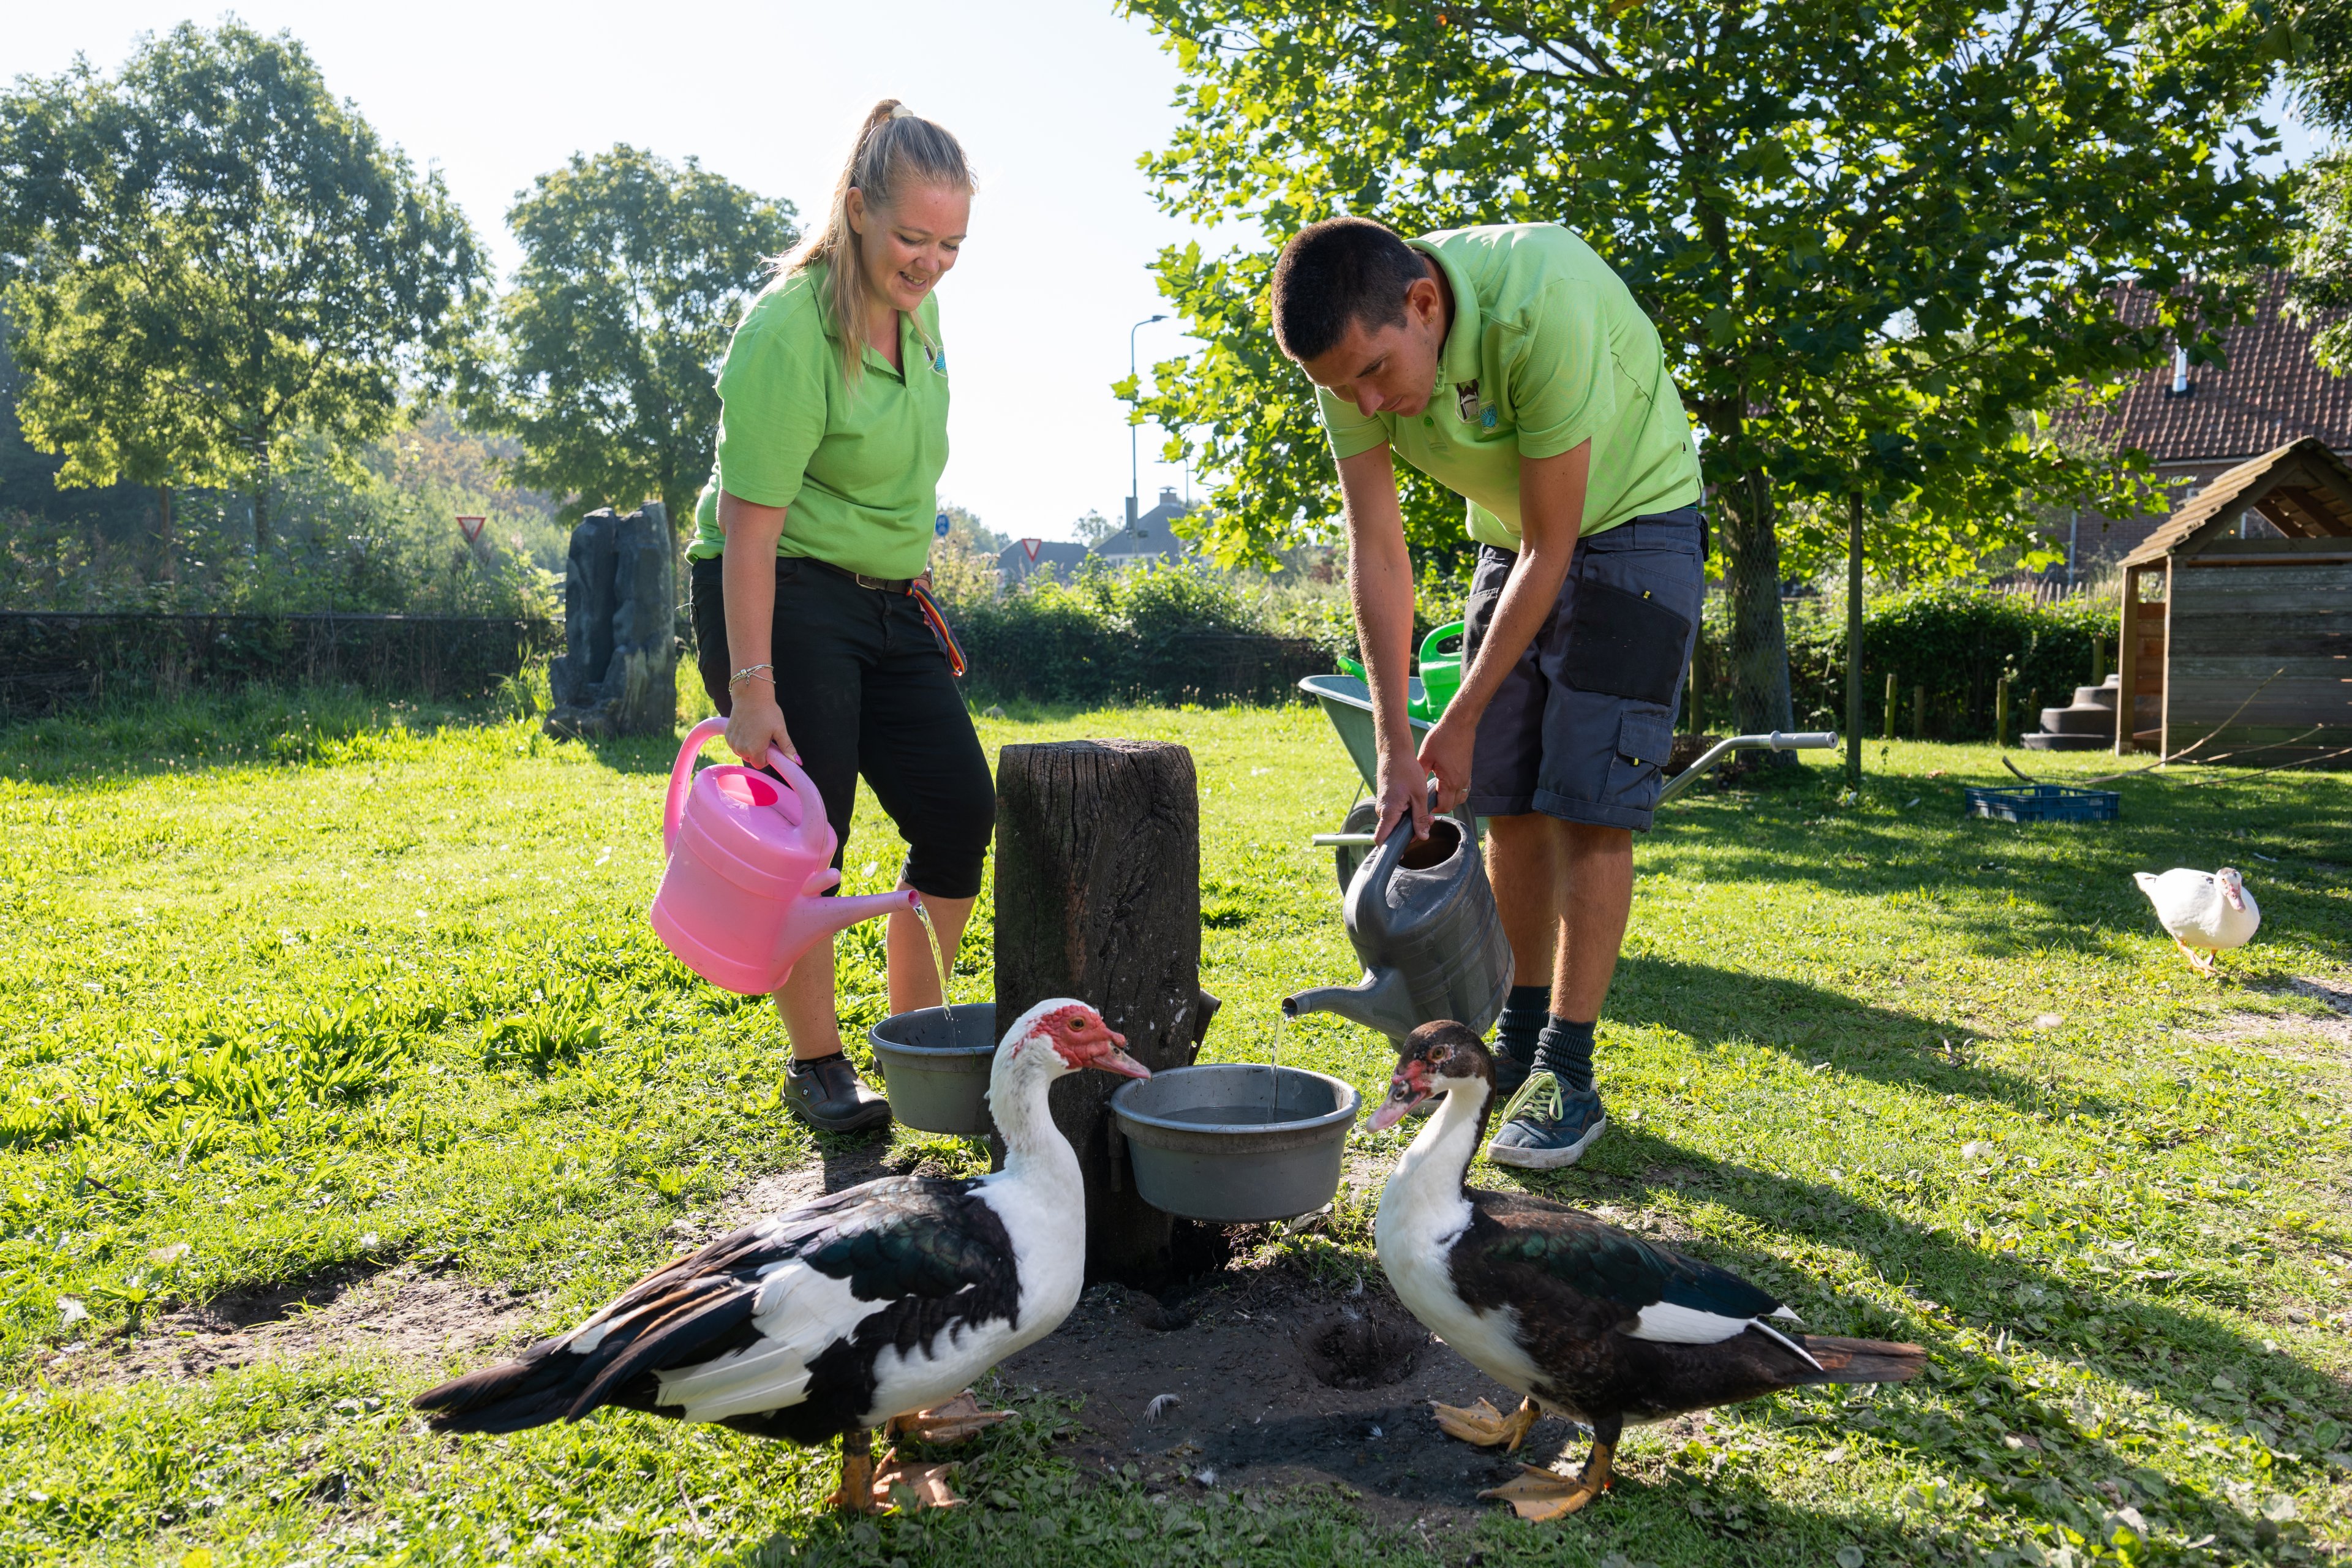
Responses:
[1341,271]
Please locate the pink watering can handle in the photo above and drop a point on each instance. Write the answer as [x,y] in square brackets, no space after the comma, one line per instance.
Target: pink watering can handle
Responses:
[816,830]
[682,773]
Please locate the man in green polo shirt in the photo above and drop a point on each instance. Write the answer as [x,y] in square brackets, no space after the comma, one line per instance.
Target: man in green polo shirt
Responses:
[1511,365]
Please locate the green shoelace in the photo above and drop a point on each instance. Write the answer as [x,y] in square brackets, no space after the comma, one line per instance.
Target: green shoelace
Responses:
[1541,1087]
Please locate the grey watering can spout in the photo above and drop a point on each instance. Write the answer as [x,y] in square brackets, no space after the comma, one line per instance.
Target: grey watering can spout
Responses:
[1378,1002]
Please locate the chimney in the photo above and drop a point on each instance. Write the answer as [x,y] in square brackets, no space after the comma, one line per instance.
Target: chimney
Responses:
[2180,372]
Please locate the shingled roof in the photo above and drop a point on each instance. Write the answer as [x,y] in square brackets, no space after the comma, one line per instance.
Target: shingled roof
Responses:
[2302,488]
[2270,393]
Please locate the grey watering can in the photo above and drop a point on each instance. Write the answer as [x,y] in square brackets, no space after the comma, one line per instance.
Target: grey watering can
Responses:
[1424,923]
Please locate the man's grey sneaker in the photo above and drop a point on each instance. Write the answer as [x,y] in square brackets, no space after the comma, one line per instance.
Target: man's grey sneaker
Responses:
[828,1095]
[1510,1073]
[1545,1127]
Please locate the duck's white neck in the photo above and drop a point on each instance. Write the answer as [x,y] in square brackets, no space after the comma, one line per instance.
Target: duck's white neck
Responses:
[1440,1157]
[1035,1148]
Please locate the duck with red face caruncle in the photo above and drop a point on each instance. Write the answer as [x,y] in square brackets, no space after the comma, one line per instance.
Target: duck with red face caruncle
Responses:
[869,1305]
[1580,1319]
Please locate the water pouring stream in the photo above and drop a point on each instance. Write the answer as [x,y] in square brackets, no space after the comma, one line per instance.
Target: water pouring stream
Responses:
[1273,1070]
[938,961]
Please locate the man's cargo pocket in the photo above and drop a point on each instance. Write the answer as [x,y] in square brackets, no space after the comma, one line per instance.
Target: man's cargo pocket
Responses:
[1637,773]
[1625,643]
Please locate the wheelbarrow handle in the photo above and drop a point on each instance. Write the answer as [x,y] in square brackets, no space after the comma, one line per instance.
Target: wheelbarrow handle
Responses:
[1778,740]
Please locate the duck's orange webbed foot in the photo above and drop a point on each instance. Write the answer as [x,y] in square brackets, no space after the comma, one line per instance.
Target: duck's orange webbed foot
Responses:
[1547,1494]
[1484,1425]
[912,1487]
[959,1419]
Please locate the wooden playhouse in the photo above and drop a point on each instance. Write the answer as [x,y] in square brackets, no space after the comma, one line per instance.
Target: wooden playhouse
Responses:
[2244,645]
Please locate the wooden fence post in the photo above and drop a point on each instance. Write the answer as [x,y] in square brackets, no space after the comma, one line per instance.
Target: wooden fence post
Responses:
[2001,713]
[1098,898]
[1887,716]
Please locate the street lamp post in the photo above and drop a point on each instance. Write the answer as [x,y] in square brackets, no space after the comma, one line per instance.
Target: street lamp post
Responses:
[1134,467]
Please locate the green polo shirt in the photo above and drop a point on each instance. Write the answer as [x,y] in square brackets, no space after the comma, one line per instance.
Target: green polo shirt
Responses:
[1546,350]
[859,469]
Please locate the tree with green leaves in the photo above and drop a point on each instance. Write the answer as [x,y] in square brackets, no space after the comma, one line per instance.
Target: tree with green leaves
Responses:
[606,360]
[1876,240]
[2322,78]
[208,256]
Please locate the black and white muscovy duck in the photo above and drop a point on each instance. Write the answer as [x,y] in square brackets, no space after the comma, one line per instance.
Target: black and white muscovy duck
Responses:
[1582,1319]
[871,1305]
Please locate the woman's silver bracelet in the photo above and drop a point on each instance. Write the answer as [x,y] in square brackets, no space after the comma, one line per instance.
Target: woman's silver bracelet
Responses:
[751,672]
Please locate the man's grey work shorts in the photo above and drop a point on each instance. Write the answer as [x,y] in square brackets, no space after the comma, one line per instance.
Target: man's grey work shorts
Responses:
[1581,726]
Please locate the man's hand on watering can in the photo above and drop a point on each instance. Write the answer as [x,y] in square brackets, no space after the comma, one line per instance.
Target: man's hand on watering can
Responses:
[1401,785]
[1446,754]
[756,723]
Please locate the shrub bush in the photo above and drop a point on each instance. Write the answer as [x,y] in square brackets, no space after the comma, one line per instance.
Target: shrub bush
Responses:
[1955,640]
[52,661]
[1162,633]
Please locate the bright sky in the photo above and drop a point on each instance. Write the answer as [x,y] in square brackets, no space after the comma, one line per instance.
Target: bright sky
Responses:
[1053,100]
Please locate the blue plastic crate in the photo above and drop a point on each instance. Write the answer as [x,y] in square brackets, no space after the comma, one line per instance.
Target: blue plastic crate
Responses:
[2044,802]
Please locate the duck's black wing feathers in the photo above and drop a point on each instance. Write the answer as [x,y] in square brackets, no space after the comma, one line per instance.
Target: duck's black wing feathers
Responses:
[1510,1231]
[918,1255]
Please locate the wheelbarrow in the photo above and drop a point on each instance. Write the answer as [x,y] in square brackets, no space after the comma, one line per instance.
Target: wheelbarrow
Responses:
[1347,703]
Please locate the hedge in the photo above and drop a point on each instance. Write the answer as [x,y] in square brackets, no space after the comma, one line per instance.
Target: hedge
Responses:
[1956,641]
[49,661]
[1163,635]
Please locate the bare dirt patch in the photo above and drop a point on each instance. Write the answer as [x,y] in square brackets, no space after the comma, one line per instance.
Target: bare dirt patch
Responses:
[840,1162]
[2337,994]
[1252,1407]
[403,1312]
[2292,1037]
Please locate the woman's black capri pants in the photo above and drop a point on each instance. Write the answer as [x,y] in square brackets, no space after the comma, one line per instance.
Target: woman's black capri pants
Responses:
[865,688]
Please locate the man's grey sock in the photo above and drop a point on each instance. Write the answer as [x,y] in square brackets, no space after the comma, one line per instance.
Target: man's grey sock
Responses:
[1523,1020]
[1565,1050]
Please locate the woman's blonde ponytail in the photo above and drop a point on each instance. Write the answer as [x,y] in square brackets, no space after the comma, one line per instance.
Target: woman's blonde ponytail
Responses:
[894,147]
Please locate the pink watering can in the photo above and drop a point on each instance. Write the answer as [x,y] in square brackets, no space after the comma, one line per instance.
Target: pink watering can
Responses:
[748,860]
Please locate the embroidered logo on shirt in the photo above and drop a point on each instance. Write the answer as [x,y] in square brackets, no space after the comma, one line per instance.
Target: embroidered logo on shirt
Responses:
[1487,418]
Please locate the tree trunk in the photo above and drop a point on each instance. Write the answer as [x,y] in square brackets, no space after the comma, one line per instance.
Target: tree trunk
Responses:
[1098,898]
[1854,642]
[260,512]
[1760,646]
[171,548]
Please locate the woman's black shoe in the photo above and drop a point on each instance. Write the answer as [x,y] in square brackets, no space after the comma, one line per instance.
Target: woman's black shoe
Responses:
[827,1094]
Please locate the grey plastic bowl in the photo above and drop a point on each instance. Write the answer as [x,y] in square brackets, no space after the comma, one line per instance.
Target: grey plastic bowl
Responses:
[1203,1146]
[938,1077]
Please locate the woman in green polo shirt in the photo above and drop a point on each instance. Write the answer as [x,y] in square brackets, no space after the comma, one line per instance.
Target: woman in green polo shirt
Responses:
[833,428]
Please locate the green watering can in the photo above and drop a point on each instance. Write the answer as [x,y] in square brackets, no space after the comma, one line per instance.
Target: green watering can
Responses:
[1440,673]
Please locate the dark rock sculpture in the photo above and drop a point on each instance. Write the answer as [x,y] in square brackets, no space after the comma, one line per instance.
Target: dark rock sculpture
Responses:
[618,673]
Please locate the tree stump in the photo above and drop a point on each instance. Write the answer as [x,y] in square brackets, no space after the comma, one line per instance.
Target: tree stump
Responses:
[1098,898]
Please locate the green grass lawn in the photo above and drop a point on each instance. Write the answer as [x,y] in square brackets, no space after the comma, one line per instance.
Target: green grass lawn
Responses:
[299,987]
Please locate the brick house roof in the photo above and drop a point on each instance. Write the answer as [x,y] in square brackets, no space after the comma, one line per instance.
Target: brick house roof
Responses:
[2269,394]
[2303,490]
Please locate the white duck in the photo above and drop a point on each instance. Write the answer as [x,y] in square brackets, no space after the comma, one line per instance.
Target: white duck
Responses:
[2206,911]
[870,1305]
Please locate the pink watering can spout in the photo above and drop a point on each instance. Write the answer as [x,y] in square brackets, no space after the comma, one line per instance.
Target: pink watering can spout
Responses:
[748,859]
